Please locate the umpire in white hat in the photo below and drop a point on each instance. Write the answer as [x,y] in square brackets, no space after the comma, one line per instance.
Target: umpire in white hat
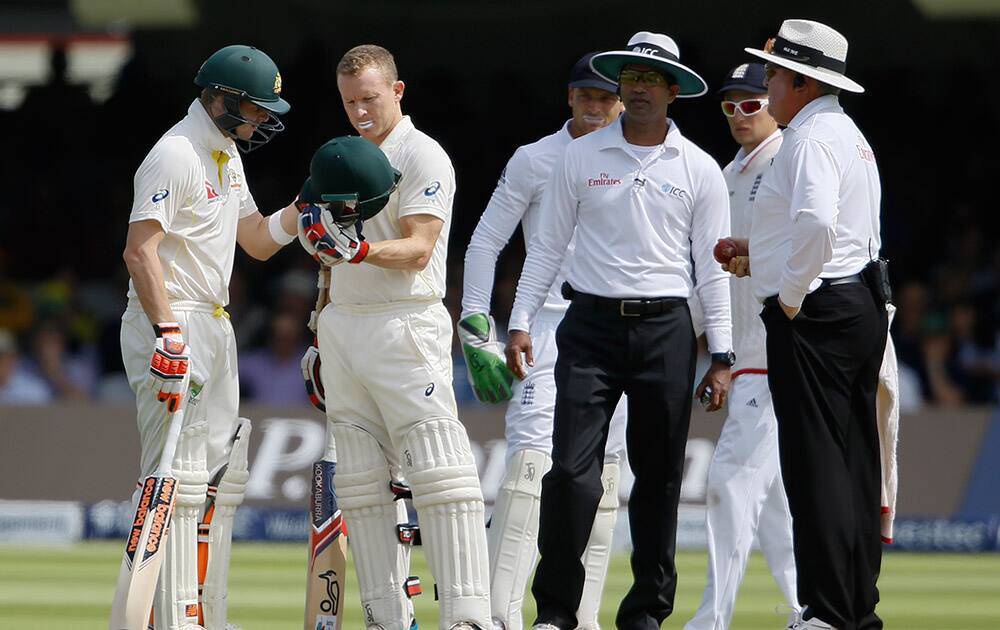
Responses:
[643,202]
[814,247]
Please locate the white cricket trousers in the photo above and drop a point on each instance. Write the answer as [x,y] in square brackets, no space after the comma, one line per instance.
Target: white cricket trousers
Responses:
[214,388]
[531,409]
[745,498]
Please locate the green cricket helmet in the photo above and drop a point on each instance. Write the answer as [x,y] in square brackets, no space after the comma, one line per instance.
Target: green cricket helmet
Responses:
[350,177]
[244,73]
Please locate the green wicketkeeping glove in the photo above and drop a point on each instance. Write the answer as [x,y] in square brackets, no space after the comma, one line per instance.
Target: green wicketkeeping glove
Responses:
[488,372]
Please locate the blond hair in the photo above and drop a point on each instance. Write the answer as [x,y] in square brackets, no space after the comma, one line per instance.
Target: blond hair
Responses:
[360,58]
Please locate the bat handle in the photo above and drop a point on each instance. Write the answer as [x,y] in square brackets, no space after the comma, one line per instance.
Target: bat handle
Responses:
[170,442]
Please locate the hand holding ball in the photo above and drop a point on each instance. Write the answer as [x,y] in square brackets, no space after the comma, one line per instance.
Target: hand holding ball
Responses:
[725,250]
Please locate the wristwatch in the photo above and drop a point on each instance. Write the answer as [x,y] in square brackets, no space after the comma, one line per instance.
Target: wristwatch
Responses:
[725,358]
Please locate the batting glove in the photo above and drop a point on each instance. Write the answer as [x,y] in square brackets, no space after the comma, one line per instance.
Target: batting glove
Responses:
[169,366]
[488,373]
[327,241]
[314,384]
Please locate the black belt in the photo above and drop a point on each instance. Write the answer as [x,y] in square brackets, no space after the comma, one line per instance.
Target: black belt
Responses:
[832,282]
[637,307]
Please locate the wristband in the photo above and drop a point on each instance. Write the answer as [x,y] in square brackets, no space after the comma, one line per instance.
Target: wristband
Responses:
[278,233]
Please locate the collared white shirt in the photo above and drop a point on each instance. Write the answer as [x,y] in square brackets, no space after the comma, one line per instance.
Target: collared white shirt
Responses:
[817,209]
[517,199]
[743,176]
[426,187]
[639,224]
[192,182]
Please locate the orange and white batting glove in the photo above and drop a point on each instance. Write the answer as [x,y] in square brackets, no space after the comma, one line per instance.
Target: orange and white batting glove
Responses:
[170,365]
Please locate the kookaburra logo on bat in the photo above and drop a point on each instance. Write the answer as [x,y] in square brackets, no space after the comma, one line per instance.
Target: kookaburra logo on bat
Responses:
[331,604]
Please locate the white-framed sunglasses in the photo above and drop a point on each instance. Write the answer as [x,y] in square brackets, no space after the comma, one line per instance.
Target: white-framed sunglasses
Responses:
[749,107]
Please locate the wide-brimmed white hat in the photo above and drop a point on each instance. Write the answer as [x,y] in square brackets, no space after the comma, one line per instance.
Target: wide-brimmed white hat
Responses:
[812,49]
[656,51]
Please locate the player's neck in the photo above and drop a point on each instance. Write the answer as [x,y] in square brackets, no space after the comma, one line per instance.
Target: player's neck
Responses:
[396,118]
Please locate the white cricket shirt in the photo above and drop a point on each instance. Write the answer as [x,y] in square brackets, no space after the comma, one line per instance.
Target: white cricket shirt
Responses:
[743,176]
[817,209]
[426,187]
[517,199]
[192,182]
[639,224]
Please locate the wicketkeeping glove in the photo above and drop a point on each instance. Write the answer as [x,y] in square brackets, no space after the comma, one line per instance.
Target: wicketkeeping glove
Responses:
[327,241]
[314,384]
[169,366]
[491,379]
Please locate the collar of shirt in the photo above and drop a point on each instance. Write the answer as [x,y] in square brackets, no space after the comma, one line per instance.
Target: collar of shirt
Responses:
[743,159]
[206,133]
[565,131]
[396,136]
[827,103]
[613,137]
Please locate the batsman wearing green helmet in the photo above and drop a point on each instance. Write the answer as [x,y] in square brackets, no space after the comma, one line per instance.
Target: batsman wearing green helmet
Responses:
[192,205]
[390,407]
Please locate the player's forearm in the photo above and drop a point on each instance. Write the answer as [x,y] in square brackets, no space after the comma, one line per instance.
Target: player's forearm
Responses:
[408,254]
[256,233]
[147,277]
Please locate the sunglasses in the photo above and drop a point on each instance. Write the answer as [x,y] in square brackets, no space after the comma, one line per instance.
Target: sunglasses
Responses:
[748,107]
[648,78]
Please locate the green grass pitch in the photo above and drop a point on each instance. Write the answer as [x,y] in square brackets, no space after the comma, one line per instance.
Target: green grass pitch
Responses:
[71,589]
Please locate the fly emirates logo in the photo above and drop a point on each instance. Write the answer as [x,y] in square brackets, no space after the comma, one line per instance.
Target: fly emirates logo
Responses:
[603,180]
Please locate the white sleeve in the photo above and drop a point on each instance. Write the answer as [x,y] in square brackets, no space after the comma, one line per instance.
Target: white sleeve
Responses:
[548,248]
[247,203]
[428,184]
[163,184]
[816,185]
[505,210]
[710,223]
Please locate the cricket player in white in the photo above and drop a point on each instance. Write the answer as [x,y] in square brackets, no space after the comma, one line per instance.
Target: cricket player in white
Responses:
[191,206]
[513,532]
[385,342]
[745,493]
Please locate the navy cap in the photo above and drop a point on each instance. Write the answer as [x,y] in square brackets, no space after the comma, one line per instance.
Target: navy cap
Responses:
[581,76]
[748,77]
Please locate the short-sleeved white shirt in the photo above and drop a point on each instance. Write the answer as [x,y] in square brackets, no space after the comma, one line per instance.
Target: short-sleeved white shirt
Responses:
[645,226]
[426,187]
[193,184]
[743,176]
[517,199]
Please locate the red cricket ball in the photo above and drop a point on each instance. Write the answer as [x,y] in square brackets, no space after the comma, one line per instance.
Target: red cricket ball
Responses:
[725,250]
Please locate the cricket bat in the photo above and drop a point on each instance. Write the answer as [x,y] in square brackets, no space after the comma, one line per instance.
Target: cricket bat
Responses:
[147,539]
[327,558]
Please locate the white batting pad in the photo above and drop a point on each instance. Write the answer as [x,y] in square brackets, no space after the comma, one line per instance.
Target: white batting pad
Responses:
[598,553]
[364,497]
[176,601]
[438,463]
[228,497]
[512,537]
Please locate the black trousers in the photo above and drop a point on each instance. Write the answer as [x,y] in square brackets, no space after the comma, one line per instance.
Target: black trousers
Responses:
[823,373]
[602,355]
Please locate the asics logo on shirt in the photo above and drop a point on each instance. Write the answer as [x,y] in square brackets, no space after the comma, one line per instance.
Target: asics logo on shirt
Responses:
[160,195]
[431,190]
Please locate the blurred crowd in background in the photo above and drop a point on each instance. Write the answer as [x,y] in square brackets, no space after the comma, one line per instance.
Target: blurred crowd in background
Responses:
[67,196]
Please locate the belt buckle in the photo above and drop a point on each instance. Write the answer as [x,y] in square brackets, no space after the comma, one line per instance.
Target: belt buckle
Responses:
[621,308]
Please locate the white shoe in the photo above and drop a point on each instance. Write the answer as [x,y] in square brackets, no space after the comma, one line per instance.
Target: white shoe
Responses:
[544,626]
[812,624]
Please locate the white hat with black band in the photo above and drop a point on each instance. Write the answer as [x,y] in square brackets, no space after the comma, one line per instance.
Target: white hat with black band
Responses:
[812,49]
[656,51]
